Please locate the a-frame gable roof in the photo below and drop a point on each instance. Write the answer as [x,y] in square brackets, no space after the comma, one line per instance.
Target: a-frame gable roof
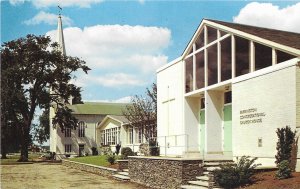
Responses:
[282,37]
[288,41]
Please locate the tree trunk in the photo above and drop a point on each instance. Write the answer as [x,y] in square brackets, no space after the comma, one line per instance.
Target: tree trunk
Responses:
[3,148]
[24,144]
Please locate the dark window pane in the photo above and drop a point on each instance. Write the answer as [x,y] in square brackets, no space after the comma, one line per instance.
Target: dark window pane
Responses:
[226,59]
[200,40]
[242,56]
[200,70]
[263,56]
[227,97]
[282,56]
[212,58]
[212,34]
[222,33]
[202,103]
[189,74]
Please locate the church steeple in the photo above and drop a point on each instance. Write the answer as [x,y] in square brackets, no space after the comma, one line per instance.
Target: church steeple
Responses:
[60,35]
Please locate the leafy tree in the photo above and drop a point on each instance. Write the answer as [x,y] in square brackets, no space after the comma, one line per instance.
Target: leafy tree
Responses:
[286,138]
[142,112]
[42,130]
[31,68]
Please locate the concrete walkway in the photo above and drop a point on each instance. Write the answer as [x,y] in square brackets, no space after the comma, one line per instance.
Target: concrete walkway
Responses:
[49,175]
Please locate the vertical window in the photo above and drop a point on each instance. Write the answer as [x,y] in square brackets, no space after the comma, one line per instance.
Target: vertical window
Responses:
[119,139]
[200,70]
[242,55]
[212,34]
[68,132]
[140,135]
[263,56]
[81,129]
[202,103]
[212,71]
[68,148]
[189,74]
[103,137]
[130,135]
[282,56]
[200,40]
[226,59]
[227,97]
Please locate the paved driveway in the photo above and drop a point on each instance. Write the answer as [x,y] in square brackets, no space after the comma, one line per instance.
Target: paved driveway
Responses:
[47,175]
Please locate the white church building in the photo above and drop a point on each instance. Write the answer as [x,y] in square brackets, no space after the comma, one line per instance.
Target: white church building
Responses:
[229,91]
[80,142]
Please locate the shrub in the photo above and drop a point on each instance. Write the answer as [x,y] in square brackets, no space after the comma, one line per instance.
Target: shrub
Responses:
[284,171]
[286,139]
[231,176]
[118,147]
[125,152]
[105,150]
[153,148]
[94,151]
[111,159]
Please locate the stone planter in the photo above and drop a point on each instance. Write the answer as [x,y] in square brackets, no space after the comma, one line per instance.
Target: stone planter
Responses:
[161,172]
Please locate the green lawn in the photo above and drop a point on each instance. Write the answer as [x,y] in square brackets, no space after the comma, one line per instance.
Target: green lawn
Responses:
[94,160]
[13,159]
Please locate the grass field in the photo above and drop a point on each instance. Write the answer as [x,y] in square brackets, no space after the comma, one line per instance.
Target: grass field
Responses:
[94,160]
[13,158]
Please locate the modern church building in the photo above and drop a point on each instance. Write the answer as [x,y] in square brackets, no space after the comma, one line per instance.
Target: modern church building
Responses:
[233,86]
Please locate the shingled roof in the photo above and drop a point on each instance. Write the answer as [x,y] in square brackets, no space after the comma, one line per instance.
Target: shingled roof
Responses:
[282,37]
[98,108]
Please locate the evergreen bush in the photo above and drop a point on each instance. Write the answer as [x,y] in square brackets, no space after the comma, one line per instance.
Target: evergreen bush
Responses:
[235,175]
[286,139]
[284,171]
[111,159]
[125,152]
[118,147]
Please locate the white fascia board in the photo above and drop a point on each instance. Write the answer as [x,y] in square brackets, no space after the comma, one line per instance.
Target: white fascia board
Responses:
[175,61]
[254,38]
[106,119]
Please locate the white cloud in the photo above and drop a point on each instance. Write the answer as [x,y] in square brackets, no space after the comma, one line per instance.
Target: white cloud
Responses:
[131,54]
[65,3]
[16,2]
[271,16]
[47,18]
[125,99]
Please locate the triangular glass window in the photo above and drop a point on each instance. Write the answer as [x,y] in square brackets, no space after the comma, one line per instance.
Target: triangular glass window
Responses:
[282,56]
[200,40]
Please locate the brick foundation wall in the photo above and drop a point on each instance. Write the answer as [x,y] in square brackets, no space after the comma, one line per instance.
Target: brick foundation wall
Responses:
[163,172]
[103,171]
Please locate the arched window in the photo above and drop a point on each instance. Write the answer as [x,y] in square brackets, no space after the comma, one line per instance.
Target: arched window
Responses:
[81,129]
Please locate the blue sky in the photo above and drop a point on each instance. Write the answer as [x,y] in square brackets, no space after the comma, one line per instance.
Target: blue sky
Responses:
[124,42]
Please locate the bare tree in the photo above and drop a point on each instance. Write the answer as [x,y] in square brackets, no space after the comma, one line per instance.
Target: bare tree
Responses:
[142,112]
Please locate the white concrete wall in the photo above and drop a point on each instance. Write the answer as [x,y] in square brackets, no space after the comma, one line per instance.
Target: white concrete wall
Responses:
[273,96]
[170,91]
[213,121]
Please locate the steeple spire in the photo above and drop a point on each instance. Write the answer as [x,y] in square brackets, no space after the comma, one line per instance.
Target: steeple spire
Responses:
[60,34]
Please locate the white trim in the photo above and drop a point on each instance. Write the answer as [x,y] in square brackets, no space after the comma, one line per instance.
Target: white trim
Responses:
[173,62]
